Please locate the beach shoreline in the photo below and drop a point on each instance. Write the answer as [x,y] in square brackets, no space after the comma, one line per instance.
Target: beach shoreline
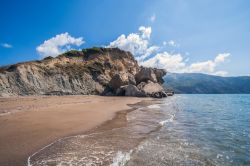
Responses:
[30,123]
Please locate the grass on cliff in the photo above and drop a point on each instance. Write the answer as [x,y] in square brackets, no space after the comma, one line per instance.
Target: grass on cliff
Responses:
[92,50]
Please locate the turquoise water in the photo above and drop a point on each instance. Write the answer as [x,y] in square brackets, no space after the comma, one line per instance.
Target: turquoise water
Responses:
[219,125]
[179,130]
[206,130]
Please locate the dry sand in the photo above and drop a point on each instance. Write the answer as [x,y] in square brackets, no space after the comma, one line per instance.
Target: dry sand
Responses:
[29,123]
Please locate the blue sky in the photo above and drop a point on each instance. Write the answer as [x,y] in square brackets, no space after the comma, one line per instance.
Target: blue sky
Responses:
[209,36]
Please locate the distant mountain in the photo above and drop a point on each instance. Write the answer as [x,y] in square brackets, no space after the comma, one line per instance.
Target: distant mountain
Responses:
[207,84]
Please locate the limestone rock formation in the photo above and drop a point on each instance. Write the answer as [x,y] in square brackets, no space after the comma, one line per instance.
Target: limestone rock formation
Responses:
[122,79]
[98,71]
[145,74]
[160,73]
[132,90]
[152,89]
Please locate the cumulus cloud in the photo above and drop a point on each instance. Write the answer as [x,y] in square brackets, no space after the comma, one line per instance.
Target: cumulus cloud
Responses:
[150,56]
[176,63]
[221,57]
[209,66]
[6,45]
[133,43]
[136,43]
[58,44]
[146,32]
[205,67]
[153,18]
[165,60]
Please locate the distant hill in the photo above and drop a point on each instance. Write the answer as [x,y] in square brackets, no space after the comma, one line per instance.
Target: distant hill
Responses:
[207,84]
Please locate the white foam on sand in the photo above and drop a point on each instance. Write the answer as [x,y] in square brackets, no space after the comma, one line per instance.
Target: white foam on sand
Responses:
[171,119]
[51,144]
[121,158]
[154,106]
[29,158]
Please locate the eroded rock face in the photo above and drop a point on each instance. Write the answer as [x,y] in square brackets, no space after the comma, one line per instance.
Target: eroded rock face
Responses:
[145,74]
[160,73]
[98,71]
[75,72]
[121,79]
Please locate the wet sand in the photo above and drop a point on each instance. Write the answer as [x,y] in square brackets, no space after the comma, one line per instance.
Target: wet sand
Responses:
[29,123]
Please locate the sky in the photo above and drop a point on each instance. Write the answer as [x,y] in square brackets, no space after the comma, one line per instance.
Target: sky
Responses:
[208,36]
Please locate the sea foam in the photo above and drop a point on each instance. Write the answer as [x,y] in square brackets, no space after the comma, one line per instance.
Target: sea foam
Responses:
[121,158]
[171,119]
[154,106]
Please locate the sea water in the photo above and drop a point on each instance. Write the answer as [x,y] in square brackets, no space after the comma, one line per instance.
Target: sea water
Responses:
[178,130]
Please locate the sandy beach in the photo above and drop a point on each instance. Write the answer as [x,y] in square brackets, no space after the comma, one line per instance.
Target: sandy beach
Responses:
[29,123]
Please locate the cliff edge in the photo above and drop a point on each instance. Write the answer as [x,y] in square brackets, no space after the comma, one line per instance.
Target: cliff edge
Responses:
[95,71]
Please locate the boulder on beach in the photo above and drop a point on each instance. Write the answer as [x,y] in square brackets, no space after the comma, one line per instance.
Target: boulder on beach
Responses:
[145,74]
[121,79]
[132,90]
[152,89]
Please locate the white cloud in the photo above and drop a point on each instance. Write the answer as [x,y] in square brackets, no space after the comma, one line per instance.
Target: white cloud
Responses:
[209,66]
[153,18]
[221,57]
[133,43]
[202,67]
[220,73]
[165,60]
[146,32]
[148,55]
[176,63]
[136,43]
[58,44]
[6,45]
[149,51]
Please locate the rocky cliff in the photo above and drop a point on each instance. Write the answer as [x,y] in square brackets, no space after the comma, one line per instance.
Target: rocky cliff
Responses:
[100,71]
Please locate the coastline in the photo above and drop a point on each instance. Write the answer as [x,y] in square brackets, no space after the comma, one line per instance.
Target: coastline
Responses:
[30,123]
